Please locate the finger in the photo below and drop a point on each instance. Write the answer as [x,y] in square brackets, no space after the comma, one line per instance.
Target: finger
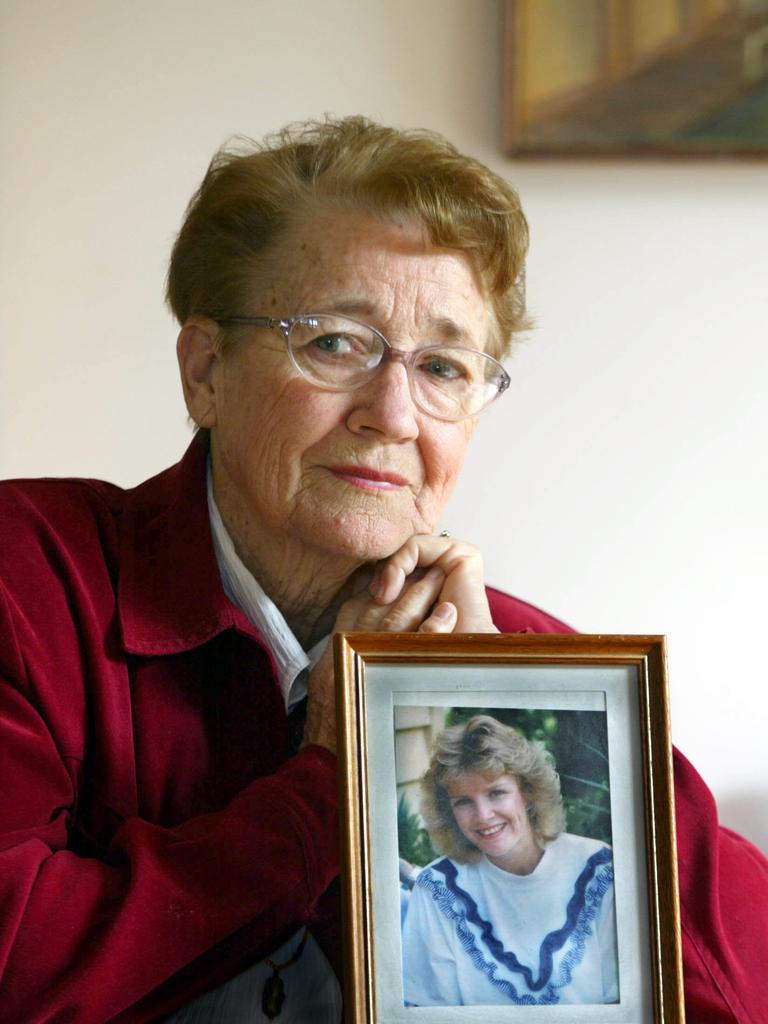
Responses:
[442,620]
[389,584]
[360,605]
[464,585]
[411,608]
[404,615]
[421,550]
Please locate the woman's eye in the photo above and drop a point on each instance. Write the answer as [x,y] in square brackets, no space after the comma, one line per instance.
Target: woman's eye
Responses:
[461,802]
[442,369]
[498,792]
[334,344]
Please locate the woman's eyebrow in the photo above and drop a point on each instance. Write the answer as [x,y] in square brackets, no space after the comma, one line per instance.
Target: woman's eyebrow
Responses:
[452,331]
[352,307]
[445,326]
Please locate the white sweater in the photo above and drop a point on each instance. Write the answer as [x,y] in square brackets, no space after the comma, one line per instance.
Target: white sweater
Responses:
[475,934]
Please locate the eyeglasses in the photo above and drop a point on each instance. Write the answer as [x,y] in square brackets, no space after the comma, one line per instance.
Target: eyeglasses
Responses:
[336,353]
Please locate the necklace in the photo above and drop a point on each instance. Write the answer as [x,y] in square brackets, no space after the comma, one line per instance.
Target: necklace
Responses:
[273,996]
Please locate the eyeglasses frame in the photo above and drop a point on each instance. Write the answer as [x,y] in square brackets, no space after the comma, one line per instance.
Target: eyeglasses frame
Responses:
[390,354]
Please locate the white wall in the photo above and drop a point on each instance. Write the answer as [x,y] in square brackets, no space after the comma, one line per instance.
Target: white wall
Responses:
[627,466]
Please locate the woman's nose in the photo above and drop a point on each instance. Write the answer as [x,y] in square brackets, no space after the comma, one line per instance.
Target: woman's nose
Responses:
[385,405]
[483,810]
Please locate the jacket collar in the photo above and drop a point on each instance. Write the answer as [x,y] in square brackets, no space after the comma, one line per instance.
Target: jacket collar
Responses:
[170,597]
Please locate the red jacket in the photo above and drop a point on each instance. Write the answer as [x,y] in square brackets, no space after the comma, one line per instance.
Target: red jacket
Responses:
[156,837]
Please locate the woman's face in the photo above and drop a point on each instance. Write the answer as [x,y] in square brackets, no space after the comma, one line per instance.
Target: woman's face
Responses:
[492,814]
[354,473]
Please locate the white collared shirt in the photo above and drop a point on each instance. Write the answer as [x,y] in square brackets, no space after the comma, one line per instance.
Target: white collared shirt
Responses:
[242,588]
[312,993]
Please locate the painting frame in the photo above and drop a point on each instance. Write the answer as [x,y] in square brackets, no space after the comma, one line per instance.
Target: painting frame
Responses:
[623,78]
[371,671]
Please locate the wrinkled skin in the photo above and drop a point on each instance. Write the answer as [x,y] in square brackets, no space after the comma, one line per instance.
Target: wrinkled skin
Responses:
[285,453]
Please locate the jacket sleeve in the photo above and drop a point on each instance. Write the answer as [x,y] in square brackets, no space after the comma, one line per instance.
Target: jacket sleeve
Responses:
[724,911]
[84,936]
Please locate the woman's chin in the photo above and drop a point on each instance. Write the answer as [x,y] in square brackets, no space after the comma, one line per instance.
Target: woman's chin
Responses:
[362,538]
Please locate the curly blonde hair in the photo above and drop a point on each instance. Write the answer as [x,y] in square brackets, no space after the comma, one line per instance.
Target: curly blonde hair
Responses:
[486,746]
[253,192]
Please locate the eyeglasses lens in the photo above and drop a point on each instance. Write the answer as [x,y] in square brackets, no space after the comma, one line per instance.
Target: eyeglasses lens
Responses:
[334,352]
[453,382]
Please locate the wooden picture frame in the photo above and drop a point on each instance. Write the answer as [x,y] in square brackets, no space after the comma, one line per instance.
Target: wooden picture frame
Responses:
[390,686]
[630,77]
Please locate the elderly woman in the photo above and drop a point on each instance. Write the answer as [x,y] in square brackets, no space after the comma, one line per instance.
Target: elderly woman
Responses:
[518,912]
[168,810]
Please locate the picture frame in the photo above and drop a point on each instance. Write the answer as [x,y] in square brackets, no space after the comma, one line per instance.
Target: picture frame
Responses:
[668,78]
[392,689]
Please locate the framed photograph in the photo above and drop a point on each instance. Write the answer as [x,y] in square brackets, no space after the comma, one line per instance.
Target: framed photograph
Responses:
[613,77]
[508,829]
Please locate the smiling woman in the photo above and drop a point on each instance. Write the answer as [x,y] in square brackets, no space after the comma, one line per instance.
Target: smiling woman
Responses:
[492,815]
[518,912]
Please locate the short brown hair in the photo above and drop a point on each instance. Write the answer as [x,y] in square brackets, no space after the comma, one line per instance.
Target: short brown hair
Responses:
[486,746]
[252,192]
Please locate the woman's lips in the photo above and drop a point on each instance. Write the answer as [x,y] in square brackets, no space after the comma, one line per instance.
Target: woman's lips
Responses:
[369,479]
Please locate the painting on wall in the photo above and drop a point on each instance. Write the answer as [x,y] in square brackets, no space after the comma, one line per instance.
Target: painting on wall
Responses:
[655,77]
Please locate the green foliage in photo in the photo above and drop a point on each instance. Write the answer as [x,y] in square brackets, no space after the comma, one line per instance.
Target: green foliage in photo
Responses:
[414,843]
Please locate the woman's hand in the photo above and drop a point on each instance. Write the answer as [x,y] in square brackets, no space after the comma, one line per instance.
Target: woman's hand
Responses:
[430,585]
[414,609]
[463,583]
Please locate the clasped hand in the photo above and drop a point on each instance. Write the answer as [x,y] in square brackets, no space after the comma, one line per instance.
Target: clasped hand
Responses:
[430,585]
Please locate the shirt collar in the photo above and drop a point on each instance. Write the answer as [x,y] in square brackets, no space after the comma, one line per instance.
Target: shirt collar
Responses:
[243,589]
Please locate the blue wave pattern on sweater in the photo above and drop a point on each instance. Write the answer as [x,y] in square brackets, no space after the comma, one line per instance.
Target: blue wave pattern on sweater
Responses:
[459,907]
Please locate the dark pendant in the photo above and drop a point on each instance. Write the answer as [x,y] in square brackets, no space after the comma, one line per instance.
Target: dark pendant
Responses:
[273,996]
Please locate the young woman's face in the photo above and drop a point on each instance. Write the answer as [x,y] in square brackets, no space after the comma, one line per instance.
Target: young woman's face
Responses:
[492,814]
